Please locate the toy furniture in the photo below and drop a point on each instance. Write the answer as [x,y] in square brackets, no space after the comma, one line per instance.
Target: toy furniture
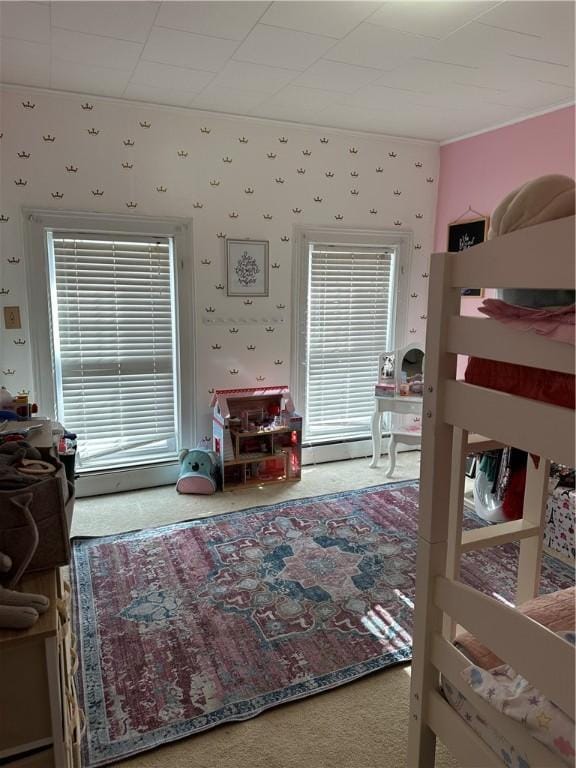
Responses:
[399,392]
[257,436]
[410,406]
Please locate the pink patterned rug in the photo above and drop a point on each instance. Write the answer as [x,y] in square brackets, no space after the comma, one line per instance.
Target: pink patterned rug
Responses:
[188,626]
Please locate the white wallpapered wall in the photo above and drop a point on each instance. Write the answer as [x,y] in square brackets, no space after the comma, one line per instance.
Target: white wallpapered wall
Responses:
[57,151]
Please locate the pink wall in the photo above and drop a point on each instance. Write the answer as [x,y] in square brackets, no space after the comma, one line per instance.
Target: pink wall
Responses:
[480,171]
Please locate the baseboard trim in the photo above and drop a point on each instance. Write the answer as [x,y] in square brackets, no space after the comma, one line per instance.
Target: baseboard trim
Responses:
[359,449]
[127,479]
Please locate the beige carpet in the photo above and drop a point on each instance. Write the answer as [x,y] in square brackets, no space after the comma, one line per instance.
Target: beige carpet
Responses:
[132,510]
[360,725]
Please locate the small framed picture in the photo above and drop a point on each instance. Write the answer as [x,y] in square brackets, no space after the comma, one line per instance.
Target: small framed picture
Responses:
[465,234]
[12,317]
[247,267]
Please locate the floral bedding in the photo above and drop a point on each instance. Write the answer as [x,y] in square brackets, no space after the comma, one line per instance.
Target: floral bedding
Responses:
[509,693]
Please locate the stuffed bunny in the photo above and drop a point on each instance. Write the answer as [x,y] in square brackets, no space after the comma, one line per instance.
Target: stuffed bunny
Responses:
[20,610]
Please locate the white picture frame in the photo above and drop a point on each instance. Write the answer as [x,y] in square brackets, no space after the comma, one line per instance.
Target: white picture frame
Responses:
[247,267]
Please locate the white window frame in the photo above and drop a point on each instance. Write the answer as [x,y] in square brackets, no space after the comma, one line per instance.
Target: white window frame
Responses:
[400,240]
[37,223]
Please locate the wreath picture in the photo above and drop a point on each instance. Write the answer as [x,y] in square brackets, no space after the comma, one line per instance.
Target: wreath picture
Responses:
[247,267]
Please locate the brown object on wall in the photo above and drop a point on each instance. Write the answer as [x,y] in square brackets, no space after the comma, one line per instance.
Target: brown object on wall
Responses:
[49,502]
[12,318]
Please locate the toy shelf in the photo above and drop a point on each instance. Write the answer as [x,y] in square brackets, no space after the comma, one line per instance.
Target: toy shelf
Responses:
[252,462]
[261,432]
[249,458]
[257,436]
[264,436]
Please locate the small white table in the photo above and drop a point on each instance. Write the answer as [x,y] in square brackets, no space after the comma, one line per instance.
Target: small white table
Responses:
[397,404]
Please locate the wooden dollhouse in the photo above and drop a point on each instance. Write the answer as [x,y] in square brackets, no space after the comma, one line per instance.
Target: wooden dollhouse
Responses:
[257,436]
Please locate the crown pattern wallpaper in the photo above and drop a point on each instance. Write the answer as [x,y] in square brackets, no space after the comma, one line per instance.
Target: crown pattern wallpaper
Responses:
[233,178]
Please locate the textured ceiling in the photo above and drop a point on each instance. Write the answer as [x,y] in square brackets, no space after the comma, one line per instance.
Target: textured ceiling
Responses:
[431,70]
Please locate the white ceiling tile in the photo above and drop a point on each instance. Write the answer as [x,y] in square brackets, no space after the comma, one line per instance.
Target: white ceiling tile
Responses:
[87,79]
[526,71]
[94,50]
[454,51]
[231,20]
[472,59]
[293,96]
[411,123]
[149,73]
[456,97]
[26,21]
[123,20]
[336,76]
[282,47]
[24,63]
[341,117]
[254,77]
[433,19]
[536,18]
[508,72]
[228,100]
[421,76]
[184,49]
[482,39]
[373,97]
[169,96]
[373,46]
[275,111]
[333,20]
[533,96]
[430,76]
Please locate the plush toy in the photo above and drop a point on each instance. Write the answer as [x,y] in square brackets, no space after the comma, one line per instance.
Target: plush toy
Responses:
[20,610]
[199,471]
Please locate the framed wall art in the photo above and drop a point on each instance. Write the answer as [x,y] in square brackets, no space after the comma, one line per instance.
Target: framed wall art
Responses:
[247,267]
[463,234]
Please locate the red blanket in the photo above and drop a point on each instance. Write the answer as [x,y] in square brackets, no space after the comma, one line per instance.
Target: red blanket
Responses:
[534,383]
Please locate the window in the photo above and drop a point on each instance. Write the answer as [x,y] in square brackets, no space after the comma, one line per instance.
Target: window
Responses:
[111,317]
[349,312]
[112,301]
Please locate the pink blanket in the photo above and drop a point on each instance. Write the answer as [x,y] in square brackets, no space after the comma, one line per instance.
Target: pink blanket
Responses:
[554,610]
[556,323]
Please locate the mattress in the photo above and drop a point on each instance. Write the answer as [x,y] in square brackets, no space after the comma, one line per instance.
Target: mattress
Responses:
[511,756]
[555,611]
[535,383]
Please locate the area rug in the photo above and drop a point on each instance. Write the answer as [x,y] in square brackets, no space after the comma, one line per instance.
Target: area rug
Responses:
[185,627]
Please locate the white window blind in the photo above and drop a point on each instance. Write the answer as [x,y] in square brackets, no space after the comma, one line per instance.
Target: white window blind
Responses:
[350,303]
[113,330]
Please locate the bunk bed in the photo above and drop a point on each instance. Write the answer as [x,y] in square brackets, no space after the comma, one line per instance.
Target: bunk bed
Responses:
[538,257]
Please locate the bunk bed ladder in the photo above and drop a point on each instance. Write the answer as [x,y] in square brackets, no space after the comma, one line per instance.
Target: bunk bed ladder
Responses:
[435,472]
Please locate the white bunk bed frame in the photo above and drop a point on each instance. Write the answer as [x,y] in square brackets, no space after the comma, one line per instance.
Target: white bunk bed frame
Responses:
[537,257]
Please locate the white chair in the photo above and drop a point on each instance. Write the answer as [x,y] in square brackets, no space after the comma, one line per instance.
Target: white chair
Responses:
[404,437]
